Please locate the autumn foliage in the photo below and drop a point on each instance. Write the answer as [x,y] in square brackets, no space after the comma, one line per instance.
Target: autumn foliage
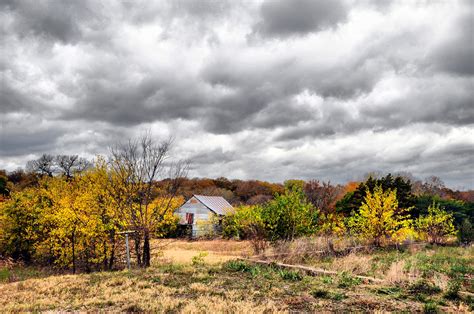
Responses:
[71,218]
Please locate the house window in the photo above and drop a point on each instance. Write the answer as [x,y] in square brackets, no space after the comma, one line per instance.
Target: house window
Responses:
[189,218]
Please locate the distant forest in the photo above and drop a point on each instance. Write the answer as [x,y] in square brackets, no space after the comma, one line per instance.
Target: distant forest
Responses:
[324,195]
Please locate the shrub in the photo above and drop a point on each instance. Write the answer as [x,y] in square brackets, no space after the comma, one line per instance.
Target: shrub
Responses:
[379,218]
[437,225]
[289,215]
[286,217]
[246,223]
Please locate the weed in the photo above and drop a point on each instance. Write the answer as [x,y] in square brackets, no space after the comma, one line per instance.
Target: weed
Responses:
[290,275]
[198,260]
[327,280]
[454,285]
[4,274]
[431,307]
[346,280]
[238,266]
[255,271]
[241,266]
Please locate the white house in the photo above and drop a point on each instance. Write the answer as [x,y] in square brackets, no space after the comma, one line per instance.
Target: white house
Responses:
[203,213]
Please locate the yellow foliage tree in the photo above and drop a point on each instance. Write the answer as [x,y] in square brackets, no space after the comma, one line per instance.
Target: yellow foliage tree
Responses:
[437,225]
[380,219]
[74,221]
[80,224]
[163,220]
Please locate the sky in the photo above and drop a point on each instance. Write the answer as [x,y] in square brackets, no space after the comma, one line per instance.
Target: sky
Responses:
[268,90]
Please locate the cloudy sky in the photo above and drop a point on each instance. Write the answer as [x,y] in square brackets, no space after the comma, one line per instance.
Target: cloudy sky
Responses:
[269,90]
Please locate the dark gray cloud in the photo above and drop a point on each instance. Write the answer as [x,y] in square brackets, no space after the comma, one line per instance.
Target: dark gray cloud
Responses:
[20,142]
[268,90]
[63,21]
[456,53]
[283,18]
[13,100]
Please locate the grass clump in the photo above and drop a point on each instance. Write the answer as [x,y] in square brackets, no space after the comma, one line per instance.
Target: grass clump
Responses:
[241,266]
[4,274]
[431,307]
[327,280]
[238,266]
[198,260]
[452,292]
[290,275]
[346,280]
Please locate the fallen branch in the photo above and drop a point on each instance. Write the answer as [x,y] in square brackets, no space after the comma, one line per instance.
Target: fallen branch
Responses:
[308,270]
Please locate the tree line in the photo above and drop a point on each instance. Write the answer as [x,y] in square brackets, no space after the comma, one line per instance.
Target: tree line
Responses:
[68,211]
[380,211]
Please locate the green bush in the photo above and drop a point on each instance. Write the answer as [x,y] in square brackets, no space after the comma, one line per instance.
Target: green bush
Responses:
[288,216]
[437,225]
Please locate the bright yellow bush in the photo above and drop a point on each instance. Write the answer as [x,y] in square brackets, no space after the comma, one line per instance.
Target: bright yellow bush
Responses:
[380,219]
[437,225]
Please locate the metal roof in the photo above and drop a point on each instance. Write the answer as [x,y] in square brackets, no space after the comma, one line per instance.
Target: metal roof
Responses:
[217,204]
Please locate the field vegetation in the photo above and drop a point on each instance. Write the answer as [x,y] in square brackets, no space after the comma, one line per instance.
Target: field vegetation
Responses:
[210,276]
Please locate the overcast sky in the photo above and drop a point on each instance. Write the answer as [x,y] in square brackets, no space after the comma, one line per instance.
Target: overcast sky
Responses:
[253,90]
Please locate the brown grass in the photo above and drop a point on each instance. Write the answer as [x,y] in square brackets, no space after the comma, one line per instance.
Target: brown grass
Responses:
[121,291]
[183,251]
[174,284]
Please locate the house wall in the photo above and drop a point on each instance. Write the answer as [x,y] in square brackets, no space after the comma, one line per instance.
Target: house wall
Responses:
[202,217]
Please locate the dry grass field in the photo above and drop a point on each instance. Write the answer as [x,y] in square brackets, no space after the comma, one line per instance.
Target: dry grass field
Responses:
[205,276]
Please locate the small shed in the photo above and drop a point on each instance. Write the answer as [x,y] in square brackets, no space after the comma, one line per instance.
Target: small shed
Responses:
[203,213]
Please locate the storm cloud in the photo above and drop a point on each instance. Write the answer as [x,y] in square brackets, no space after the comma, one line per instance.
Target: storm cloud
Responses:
[267,90]
[283,18]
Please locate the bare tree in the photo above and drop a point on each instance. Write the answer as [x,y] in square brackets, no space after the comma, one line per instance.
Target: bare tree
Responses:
[44,165]
[135,167]
[70,164]
[322,196]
